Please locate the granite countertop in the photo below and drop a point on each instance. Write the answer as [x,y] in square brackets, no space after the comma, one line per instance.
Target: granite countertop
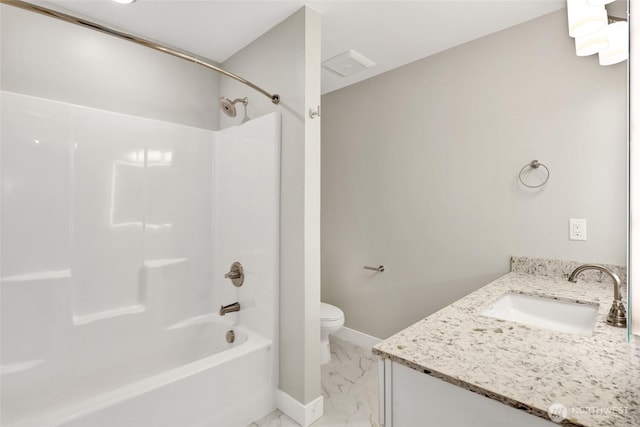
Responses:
[597,378]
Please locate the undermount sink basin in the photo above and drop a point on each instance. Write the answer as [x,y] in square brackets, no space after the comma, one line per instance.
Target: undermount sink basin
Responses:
[547,313]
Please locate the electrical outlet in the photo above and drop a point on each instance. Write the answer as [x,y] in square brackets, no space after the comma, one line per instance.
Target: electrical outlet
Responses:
[577,229]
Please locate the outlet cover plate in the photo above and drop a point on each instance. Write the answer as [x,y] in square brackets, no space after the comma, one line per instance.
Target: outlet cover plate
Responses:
[577,229]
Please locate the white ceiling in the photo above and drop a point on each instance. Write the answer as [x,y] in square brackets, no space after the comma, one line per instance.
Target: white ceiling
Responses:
[391,33]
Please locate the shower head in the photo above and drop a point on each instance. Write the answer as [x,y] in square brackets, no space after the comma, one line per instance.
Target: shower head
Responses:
[229,106]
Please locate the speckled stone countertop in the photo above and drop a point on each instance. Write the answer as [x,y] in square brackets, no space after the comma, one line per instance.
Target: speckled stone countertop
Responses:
[597,378]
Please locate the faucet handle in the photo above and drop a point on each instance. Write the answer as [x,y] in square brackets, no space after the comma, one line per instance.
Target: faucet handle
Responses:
[236,274]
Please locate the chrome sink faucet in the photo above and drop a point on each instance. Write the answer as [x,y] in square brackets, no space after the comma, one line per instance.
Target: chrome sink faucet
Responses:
[617,314]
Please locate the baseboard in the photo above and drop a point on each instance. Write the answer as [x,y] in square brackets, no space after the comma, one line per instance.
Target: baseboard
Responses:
[302,414]
[356,337]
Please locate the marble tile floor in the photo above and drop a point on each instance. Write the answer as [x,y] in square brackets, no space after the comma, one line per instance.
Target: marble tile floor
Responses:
[349,387]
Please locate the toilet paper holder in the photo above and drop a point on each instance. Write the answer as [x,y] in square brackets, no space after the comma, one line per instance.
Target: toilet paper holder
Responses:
[379,269]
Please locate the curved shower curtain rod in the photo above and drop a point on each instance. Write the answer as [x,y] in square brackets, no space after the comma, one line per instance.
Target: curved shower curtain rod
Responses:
[120,34]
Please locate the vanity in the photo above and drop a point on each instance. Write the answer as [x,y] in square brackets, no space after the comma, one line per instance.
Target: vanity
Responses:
[466,365]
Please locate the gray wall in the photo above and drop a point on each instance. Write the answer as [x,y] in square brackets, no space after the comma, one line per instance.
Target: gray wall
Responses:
[420,167]
[286,60]
[52,59]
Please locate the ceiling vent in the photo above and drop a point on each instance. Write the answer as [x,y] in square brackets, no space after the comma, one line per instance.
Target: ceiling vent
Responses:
[348,63]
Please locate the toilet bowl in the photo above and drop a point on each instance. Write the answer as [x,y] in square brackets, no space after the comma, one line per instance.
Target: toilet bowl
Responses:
[331,320]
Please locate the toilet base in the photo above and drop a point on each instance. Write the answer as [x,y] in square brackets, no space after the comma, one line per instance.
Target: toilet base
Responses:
[331,320]
[325,351]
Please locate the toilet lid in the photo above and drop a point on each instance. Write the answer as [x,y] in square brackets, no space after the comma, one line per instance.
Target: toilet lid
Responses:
[330,312]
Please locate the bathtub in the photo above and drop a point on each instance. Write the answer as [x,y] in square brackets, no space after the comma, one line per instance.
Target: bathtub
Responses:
[232,387]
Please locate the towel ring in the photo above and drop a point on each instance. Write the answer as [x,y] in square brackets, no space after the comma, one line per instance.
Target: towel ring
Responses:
[534,165]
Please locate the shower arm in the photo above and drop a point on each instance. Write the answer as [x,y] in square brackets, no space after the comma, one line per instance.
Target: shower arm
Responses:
[275,98]
[244,101]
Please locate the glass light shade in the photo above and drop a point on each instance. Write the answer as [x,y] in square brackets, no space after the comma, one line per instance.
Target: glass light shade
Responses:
[599,2]
[585,19]
[618,49]
[592,43]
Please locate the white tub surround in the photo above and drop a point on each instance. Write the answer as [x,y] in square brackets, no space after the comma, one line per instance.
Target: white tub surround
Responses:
[116,234]
[596,378]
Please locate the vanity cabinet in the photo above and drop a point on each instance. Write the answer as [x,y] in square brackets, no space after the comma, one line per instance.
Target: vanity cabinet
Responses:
[409,398]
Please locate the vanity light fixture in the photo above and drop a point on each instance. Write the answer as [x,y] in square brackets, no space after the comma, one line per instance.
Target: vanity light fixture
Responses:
[585,19]
[596,32]
[592,43]
[124,1]
[618,49]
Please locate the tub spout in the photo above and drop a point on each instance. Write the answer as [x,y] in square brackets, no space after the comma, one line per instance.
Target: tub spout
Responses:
[224,309]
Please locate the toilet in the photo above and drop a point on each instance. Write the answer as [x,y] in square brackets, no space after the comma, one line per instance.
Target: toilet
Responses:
[331,320]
